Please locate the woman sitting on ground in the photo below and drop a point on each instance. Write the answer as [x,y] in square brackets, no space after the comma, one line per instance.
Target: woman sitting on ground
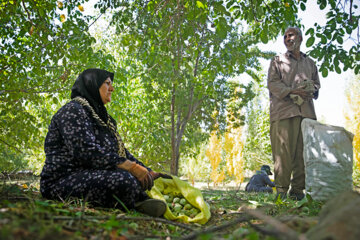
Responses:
[86,157]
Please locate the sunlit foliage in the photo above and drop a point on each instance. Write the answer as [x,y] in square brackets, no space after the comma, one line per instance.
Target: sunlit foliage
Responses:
[257,147]
[233,137]
[352,117]
[179,54]
[213,153]
[233,147]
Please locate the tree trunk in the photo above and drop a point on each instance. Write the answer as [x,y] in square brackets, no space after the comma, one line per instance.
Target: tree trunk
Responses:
[174,160]
[178,129]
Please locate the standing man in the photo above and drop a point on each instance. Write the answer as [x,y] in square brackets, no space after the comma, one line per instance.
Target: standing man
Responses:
[293,82]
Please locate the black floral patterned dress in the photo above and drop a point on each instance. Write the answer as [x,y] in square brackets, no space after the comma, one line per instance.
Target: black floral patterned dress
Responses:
[81,161]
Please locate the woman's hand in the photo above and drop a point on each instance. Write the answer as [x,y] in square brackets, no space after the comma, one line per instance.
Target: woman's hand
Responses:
[156,175]
[140,172]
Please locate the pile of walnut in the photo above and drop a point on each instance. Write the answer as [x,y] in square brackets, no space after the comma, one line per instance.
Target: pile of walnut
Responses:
[179,206]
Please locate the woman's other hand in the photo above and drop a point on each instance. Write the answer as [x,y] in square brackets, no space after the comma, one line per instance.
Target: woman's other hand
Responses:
[157,175]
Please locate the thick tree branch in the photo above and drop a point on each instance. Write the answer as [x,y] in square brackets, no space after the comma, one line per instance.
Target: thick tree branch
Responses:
[27,11]
[284,232]
[253,10]
[350,10]
[29,90]
[159,7]
[195,234]
[9,145]
[122,217]
[96,19]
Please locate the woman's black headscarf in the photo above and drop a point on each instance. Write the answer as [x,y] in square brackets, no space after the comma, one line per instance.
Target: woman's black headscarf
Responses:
[87,86]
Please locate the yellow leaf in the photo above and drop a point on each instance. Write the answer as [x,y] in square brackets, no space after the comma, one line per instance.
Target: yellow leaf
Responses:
[62,18]
[31,30]
[81,8]
[60,4]
[25,186]
[287,5]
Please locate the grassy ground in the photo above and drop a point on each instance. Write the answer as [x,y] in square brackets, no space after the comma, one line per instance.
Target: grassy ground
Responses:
[235,214]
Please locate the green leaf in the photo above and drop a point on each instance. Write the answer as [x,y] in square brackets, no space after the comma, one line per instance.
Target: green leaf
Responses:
[339,39]
[62,210]
[221,28]
[357,57]
[357,69]
[324,72]
[348,29]
[55,100]
[200,5]
[220,8]
[323,5]
[329,14]
[323,39]
[337,69]
[264,37]
[303,202]
[273,29]
[302,6]
[309,31]
[310,41]
[42,203]
[313,53]
[188,31]
[328,34]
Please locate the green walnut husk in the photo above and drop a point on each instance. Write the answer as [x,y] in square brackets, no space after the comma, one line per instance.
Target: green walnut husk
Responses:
[179,206]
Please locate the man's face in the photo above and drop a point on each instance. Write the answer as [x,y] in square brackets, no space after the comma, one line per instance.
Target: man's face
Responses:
[291,40]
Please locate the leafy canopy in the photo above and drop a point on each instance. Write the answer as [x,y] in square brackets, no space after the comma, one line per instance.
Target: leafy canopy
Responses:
[181,53]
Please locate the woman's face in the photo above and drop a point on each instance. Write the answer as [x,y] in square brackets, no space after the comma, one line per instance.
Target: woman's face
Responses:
[105,91]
